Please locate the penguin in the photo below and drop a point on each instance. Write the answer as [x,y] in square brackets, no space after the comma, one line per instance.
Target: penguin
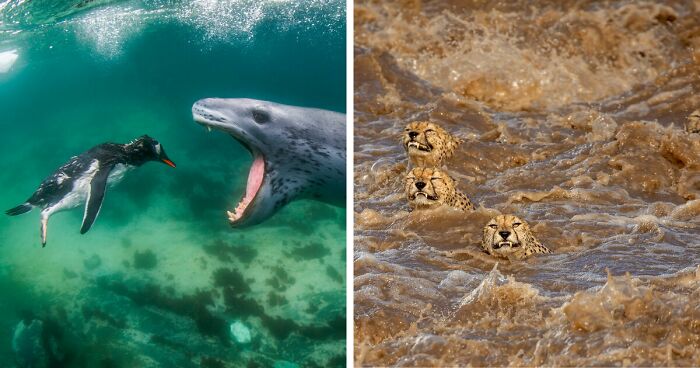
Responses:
[84,179]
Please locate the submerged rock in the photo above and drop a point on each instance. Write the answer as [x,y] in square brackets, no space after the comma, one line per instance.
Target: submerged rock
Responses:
[240,333]
[27,345]
[92,262]
[68,274]
[226,253]
[145,260]
[39,342]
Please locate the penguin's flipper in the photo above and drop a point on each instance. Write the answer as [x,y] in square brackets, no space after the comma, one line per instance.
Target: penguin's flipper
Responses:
[98,185]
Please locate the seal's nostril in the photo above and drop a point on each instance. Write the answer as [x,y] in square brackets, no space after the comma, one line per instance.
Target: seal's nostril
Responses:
[420,185]
[504,234]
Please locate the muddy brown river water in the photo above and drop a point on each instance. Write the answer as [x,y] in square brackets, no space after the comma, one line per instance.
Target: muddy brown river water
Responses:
[573,117]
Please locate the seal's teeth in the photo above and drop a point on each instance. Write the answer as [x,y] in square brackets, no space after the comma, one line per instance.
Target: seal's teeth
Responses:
[231,216]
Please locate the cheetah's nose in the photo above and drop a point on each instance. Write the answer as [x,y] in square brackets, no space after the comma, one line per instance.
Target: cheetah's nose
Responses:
[412,134]
[504,234]
[420,185]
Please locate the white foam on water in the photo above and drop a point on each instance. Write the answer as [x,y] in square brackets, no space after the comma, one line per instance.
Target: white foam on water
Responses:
[7,60]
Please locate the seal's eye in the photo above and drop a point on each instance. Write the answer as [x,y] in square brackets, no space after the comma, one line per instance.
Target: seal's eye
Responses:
[261,117]
[493,226]
[516,224]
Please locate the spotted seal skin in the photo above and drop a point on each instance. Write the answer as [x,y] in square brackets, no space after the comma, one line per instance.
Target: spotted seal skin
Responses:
[508,236]
[297,153]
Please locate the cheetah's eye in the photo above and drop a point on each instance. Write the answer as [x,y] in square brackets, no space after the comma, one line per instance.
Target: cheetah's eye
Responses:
[493,226]
[428,131]
[516,224]
[407,130]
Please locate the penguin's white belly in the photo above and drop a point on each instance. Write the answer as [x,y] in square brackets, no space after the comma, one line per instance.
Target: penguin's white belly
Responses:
[78,195]
[117,174]
[81,187]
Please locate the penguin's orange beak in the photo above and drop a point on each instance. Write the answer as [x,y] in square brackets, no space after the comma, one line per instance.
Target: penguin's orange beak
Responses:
[168,162]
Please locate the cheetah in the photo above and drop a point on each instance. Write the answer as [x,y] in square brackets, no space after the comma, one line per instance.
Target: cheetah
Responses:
[427,144]
[431,187]
[508,236]
[693,124]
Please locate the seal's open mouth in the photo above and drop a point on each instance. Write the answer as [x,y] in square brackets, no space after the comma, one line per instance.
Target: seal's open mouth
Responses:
[418,146]
[256,175]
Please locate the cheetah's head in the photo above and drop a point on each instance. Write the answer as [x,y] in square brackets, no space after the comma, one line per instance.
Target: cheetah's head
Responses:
[427,142]
[428,187]
[506,235]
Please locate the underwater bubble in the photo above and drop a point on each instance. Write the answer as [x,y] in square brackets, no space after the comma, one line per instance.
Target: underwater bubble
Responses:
[227,20]
[221,20]
[109,28]
[240,333]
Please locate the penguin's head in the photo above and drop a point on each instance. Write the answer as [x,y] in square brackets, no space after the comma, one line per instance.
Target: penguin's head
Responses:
[149,149]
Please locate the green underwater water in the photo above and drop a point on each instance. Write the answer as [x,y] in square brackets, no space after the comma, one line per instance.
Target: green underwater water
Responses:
[160,277]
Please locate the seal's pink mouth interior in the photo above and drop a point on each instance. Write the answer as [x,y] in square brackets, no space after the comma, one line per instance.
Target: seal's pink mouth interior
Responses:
[255,180]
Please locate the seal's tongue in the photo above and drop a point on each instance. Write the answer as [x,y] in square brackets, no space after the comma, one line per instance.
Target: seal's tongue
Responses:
[255,179]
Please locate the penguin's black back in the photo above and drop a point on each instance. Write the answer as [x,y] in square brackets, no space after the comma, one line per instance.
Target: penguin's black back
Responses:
[60,182]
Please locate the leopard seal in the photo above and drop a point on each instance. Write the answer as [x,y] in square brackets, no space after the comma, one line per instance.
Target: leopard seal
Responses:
[297,153]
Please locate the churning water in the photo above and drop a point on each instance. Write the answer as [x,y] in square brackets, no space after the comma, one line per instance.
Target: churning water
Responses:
[572,115]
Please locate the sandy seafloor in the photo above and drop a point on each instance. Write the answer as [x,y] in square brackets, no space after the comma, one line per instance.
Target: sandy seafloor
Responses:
[160,277]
